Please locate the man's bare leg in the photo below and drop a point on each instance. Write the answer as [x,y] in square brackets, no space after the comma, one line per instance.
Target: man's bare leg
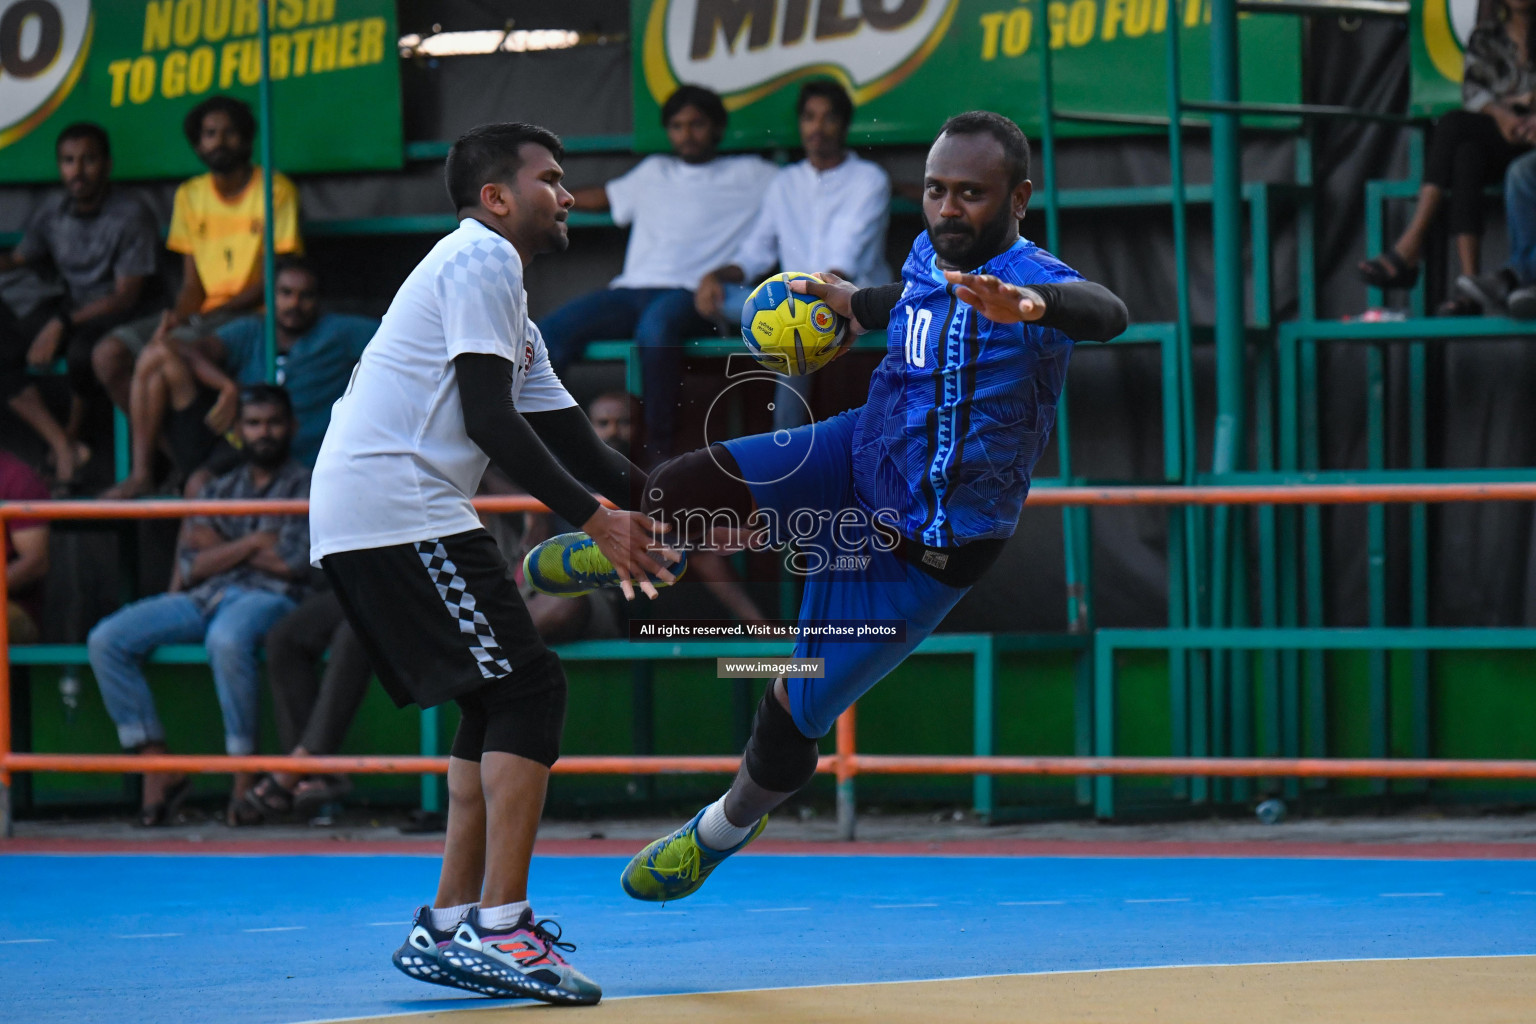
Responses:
[514,790]
[162,381]
[28,404]
[464,849]
[112,362]
[147,398]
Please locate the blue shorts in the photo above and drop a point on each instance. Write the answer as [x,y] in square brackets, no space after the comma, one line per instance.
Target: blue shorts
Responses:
[803,478]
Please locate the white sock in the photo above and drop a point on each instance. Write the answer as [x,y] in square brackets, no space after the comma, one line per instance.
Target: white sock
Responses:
[446,919]
[716,830]
[504,916]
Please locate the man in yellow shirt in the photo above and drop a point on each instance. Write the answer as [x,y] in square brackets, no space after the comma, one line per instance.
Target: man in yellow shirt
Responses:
[217,225]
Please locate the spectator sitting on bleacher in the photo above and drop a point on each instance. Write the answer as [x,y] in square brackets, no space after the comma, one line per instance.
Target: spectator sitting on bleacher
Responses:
[188,391]
[603,614]
[313,708]
[1511,290]
[827,212]
[101,243]
[1468,150]
[245,571]
[217,224]
[26,551]
[688,212]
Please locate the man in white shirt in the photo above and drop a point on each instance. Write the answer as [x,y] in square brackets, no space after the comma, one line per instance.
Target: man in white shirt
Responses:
[687,213]
[827,212]
[457,376]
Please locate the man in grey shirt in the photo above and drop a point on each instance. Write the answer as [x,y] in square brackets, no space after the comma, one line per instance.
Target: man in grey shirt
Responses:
[245,572]
[101,244]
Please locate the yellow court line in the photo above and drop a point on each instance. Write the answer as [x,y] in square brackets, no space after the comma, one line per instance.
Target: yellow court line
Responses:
[1454,990]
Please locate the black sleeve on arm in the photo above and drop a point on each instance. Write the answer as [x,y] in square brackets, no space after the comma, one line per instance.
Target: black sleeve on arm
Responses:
[1082,310]
[493,423]
[569,434]
[872,306]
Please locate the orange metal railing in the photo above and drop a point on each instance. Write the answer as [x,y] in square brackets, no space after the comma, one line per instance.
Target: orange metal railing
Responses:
[846,763]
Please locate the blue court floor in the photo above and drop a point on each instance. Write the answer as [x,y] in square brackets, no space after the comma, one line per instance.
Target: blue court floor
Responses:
[237,939]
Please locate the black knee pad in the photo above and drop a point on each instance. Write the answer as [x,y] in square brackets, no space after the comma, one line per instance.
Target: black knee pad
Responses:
[525,712]
[779,757]
[704,480]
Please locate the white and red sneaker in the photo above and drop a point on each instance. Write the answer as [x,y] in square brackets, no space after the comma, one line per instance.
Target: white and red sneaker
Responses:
[419,958]
[524,959]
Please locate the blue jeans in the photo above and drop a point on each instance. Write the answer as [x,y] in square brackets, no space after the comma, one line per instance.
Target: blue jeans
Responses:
[658,319]
[120,642]
[1520,210]
[790,409]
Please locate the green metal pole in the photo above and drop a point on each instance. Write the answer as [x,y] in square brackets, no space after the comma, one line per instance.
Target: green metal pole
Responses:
[1226,215]
[1226,229]
[1183,584]
[1074,521]
[268,231]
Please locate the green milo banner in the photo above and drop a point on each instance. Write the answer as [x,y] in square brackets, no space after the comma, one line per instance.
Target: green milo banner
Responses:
[137,66]
[909,64]
[1438,33]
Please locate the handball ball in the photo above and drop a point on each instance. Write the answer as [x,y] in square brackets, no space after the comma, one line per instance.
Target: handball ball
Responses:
[787,332]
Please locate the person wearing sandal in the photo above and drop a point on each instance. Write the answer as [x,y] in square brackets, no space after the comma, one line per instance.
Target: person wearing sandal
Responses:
[1469,150]
[100,242]
[245,573]
[313,709]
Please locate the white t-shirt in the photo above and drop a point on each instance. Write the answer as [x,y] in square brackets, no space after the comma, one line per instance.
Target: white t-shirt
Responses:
[396,465]
[687,218]
[822,220]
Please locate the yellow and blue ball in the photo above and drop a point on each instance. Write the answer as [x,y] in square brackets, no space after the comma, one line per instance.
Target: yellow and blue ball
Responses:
[787,332]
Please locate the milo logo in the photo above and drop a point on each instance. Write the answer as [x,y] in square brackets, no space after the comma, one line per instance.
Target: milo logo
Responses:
[43,44]
[1447,27]
[745,49]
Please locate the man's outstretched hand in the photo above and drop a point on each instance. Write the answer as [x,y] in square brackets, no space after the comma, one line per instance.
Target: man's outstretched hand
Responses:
[1001,303]
[627,540]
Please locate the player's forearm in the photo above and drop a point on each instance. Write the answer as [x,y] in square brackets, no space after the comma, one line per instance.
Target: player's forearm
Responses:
[872,307]
[1082,310]
[493,423]
[569,435]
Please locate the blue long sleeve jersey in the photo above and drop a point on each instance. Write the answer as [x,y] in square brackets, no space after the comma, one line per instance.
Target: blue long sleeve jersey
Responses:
[961,407]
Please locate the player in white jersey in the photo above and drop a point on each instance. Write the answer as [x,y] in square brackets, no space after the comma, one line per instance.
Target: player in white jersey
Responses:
[458,376]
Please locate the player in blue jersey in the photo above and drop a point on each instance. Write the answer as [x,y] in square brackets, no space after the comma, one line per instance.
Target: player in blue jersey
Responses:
[898,507]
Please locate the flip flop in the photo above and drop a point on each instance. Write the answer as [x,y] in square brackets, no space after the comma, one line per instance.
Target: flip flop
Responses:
[319,790]
[162,813]
[1388,270]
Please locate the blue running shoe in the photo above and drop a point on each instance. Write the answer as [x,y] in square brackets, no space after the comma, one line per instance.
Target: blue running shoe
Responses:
[675,866]
[419,958]
[570,565]
[522,960]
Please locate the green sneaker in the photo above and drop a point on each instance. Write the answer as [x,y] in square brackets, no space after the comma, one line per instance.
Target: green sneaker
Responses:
[675,866]
[570,565]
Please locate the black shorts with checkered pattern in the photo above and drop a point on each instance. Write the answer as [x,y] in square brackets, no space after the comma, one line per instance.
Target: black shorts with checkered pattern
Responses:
[438,618]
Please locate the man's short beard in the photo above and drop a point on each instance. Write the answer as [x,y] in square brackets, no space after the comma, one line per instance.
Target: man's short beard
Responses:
[224,159]
[278,456]
[985,245]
